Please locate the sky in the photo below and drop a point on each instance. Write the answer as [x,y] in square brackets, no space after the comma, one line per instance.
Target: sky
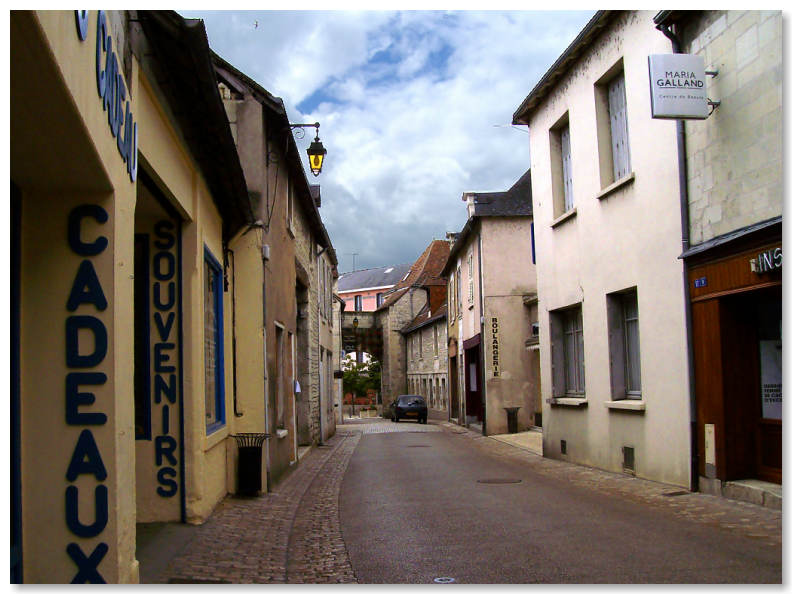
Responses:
[415,108]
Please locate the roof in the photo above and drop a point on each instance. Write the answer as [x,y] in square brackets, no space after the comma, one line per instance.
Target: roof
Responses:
[425,318]
[517,201]
[385,276]
[184,65]
[425,271]
[562,65]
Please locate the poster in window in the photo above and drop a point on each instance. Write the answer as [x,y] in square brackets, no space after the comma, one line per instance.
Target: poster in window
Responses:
[770,361]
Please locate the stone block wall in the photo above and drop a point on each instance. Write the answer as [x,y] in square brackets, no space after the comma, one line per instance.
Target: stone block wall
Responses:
[735,166]
[425,368]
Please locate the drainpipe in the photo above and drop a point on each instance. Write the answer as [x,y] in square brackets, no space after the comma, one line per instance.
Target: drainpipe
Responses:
[482,342]
[684,213]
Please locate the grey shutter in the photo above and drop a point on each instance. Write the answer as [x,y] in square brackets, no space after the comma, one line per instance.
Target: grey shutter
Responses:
[566,166]
[557,355]
[617,106]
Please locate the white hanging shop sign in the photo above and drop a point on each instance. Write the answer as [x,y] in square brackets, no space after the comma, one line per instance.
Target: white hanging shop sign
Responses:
[678,85]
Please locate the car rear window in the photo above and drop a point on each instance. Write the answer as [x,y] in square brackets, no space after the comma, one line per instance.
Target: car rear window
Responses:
[408,400]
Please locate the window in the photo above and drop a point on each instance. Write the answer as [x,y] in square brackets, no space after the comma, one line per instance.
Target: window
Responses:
[436,345]
[420,344]
[566,166]
[561,167]
[358,303]
[612,136]
[451,293]
[280,376]
[290,206]
[624,344]
[617,110]
[459,291]
[470,278]
[568,369]
[214,389]
[379,300]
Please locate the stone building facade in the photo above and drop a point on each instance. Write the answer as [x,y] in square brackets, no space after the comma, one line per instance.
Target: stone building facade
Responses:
[427,360]
[421,287]
[493,359]
[733,199]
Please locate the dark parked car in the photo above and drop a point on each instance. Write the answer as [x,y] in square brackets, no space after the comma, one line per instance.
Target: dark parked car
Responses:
[408,406]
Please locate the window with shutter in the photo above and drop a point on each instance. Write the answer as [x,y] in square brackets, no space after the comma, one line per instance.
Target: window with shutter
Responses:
[566,168]
[624,344]
[617,109]
[470,279]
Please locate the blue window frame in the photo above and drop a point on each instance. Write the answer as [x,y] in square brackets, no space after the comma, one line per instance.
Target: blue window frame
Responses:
[214,384]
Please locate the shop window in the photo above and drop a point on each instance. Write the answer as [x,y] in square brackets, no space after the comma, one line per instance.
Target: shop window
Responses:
[566,328]
[612,135]
[624,344]
[214,388]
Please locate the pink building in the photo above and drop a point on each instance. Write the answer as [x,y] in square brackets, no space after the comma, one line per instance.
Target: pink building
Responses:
[364,290]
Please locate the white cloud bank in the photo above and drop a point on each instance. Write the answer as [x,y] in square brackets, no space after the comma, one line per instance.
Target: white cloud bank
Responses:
[411,130]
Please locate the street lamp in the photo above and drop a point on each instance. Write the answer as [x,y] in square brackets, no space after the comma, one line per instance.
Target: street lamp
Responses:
[316,152]
[355,323]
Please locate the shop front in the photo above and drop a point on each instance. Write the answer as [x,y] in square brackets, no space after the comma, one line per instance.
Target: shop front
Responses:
[735,294]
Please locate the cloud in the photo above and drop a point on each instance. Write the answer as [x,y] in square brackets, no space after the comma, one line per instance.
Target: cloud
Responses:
[408,104]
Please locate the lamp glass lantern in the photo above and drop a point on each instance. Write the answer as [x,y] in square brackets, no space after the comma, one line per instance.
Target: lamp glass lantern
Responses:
[316,155]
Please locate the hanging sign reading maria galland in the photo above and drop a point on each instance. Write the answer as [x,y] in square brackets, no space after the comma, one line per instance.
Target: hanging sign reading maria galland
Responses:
[678,87]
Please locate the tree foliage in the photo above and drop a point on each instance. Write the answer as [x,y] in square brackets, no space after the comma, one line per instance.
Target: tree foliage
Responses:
[359,378]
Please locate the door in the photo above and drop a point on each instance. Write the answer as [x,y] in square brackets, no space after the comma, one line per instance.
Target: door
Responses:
[752,387]
[473,408]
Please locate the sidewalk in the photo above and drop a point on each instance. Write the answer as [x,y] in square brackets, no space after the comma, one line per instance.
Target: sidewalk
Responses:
[289,535]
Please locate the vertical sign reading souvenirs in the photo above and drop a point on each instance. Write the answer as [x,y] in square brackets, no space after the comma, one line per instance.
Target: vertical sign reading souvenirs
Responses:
[164,356]
[495,348]
[112,90]
[86,298]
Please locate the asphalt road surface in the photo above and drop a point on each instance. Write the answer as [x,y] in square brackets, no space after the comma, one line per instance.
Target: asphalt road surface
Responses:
[413,509]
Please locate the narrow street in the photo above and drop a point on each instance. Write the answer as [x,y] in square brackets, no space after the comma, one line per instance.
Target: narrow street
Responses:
[405,503]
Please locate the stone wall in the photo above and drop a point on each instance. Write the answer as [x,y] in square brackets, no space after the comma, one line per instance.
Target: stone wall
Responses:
[393,320]
[735,166]
[427,369]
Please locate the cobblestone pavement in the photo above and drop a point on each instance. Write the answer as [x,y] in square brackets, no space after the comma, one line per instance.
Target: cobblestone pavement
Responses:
[754,521]
[379,425]
[290,535]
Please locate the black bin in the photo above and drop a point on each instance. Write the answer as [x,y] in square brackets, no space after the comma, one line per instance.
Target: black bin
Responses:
[249,467]
[511,418]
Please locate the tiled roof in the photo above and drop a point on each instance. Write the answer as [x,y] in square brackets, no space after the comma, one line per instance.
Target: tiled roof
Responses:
[425,317]
[423,273]
[386,276]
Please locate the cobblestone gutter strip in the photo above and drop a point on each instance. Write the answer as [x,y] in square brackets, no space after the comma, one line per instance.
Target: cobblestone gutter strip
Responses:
[246,540]
[316,551]
[750,520]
